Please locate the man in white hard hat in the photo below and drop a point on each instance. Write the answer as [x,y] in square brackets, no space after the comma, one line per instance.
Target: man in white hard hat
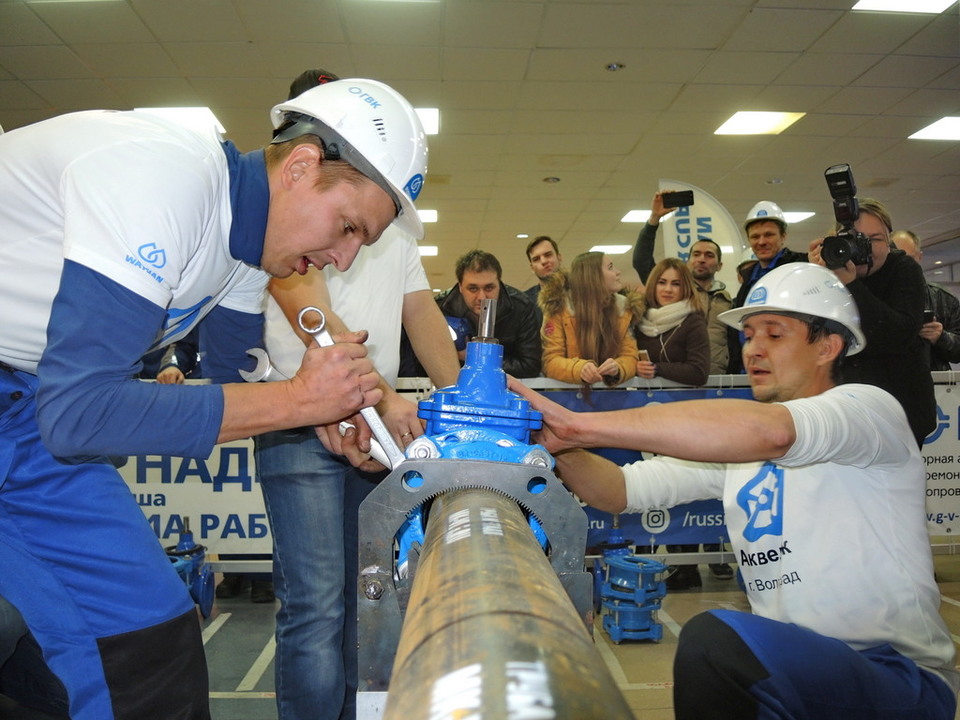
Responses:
[121,231]
[843,626]
[766,229]
[311,493]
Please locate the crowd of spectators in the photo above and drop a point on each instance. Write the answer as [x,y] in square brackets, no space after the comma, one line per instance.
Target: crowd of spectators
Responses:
[925,335]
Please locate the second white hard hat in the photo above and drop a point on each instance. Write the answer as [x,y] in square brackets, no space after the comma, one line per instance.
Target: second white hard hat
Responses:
[806,290]
[766,210]
[369,125]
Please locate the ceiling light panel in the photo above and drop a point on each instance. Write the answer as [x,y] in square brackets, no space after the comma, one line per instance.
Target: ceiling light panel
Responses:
[758,123]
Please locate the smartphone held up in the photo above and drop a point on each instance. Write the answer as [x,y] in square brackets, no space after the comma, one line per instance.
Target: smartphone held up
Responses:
[678,198]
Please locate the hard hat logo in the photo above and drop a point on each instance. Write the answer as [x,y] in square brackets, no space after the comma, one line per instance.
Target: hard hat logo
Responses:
[365,96]
[414,186]
[758,296]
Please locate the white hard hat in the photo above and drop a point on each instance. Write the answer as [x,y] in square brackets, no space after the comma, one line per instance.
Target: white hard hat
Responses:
[372,127]
[766,210]
[807,291]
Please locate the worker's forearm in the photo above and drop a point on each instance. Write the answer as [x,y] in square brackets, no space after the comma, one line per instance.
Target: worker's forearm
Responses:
[707,430]
[257,408]
[595,480]
[439,358]
[333,383]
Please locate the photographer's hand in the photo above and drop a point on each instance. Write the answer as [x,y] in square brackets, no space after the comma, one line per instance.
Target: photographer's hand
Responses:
[847,274]
[813,253]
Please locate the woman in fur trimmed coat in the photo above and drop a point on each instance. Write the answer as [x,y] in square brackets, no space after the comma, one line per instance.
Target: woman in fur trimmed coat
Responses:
[586,334]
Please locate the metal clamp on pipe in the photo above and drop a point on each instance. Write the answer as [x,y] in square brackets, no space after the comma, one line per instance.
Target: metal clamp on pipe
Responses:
[472,589]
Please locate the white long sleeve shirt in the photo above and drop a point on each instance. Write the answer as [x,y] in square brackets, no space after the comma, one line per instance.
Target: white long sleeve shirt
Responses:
[832,536]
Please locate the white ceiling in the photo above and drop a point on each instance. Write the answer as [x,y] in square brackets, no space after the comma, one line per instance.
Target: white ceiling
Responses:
[524,94]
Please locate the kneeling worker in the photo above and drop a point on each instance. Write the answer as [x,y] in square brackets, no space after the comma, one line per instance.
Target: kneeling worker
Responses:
[811,477]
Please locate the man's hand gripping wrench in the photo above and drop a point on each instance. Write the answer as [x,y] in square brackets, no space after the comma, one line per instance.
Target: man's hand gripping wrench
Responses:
[383,449]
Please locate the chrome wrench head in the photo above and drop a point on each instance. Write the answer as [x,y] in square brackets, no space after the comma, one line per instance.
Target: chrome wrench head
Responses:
[319,331]
[264,370]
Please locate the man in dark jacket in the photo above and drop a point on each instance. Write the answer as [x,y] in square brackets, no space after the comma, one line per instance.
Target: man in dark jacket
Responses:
[766,229]
[516,326]
[943,331]
[890,292]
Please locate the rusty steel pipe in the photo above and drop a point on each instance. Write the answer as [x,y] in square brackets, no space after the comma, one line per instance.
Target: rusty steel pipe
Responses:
[489,631]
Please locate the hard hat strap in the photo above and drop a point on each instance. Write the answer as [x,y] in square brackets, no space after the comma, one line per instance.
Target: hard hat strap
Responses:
[335,147]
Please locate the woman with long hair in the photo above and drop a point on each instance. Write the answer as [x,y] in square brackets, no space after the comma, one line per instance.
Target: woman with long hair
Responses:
[586,332]
[673,332]
[672,329]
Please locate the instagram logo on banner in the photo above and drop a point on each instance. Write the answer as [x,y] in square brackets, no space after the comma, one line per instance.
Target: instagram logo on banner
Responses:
[656,520]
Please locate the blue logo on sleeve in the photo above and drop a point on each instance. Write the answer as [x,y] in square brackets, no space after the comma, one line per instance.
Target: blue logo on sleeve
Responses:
[762,501]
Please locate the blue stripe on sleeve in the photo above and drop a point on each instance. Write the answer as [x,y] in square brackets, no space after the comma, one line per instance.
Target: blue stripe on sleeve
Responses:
[88,402]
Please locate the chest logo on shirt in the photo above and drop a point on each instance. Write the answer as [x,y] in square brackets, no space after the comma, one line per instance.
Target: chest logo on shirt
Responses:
[152,255]
[762,501]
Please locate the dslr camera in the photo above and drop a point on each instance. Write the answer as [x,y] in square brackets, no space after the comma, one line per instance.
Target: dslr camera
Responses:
[847,244]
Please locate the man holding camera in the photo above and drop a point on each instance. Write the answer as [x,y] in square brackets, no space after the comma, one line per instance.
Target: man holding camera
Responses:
[890,292]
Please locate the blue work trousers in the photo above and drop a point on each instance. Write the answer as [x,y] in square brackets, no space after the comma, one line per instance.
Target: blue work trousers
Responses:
[81,564]
[737,666]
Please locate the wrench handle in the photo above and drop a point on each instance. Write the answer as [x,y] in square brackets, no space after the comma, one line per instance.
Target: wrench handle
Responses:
[322,336]
[383,436]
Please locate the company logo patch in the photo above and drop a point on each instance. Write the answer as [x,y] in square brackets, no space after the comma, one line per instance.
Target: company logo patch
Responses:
[758,296]
[762,213]
[761,500]
[152,255]
[414,186]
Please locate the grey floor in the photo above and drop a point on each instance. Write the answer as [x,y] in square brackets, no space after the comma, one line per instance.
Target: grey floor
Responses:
[238,638]
[239,643]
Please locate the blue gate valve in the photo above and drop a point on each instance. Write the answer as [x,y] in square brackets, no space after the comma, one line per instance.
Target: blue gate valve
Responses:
[477,419]
[189,561]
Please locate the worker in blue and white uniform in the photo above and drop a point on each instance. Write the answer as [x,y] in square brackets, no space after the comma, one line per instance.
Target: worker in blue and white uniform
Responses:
[823,491]
[119,233]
